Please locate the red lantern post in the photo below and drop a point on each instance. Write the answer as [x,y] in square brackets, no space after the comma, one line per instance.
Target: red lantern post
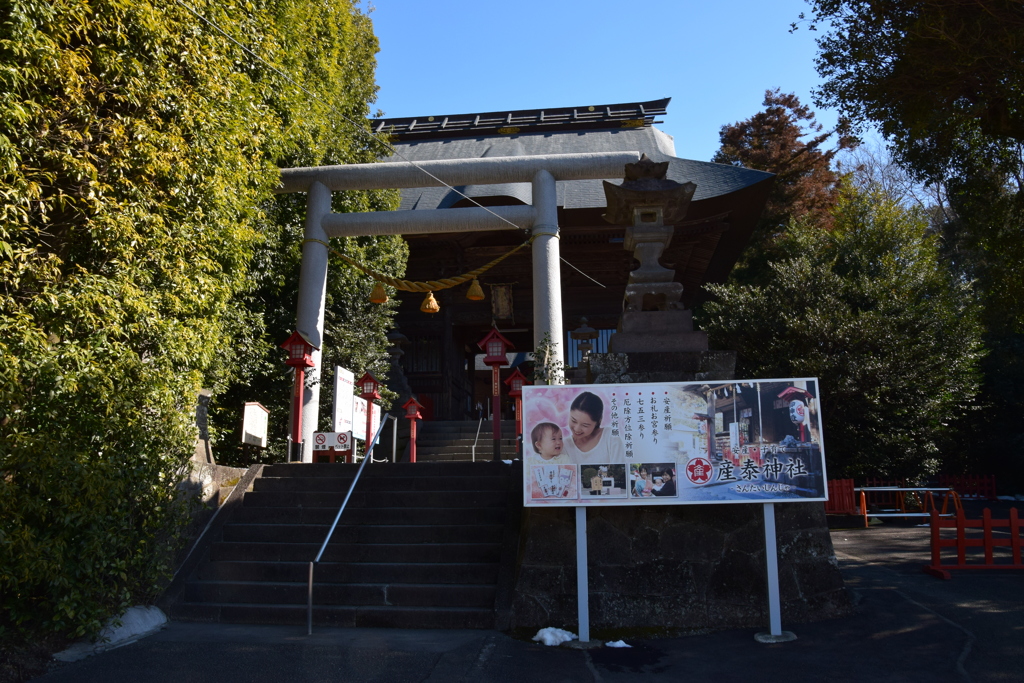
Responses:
[412,413]
[515,384]
[370,392]
[496,346]
[299,351]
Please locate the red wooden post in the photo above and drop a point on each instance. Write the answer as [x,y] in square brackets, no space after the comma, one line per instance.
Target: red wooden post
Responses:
[370,393]
[412,413]
[961,538]
[412,440]
[496,408]
[496,347]
[297,395]
[936,538]
[299,351]
[515,383]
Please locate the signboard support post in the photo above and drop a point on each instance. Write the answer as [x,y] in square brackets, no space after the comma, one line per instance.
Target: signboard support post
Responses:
[582,580]
[771,553]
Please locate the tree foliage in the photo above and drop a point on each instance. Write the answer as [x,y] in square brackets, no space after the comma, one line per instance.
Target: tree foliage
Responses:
[138,154]
[944,82]
[870,309]
[926,72]
[776,140]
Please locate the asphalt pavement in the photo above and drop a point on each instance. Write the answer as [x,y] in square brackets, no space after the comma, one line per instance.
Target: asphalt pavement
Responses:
[906,626]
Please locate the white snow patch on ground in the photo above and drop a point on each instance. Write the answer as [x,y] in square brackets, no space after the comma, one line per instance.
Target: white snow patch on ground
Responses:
[617,643]
[136,623]
[554,636]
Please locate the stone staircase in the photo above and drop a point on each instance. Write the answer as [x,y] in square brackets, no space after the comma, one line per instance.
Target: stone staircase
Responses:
[446,441]
[424,545]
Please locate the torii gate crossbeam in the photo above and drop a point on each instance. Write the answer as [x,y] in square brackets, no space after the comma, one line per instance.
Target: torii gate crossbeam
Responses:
[541,218]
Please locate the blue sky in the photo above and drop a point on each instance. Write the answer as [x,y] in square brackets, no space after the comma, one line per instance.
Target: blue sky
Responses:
[714,59]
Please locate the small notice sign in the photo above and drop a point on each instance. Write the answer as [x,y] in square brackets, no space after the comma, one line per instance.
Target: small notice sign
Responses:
[339,441]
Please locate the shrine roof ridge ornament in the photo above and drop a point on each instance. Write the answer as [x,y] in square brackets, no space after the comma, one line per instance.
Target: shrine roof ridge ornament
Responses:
[523,121]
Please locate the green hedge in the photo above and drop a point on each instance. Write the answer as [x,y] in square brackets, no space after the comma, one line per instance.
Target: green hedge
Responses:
[138,150]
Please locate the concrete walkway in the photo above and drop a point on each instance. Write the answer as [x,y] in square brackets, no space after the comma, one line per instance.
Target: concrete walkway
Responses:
[907,626]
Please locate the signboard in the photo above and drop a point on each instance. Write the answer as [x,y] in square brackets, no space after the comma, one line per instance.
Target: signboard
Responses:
[340,441]
[344,382]
[254,424]
[359,419]
[674,443]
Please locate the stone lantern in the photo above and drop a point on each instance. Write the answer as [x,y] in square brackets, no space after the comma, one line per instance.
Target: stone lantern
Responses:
[649,205]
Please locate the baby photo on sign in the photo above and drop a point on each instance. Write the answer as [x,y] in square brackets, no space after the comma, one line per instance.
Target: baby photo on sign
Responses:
[608,481]
[553,482]
[649,480]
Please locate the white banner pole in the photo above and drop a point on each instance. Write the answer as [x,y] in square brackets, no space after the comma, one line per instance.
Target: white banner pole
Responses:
[771,554]
[582,592]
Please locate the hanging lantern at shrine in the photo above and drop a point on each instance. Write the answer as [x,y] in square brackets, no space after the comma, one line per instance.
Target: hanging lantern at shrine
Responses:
[475,293]
[430,304]
[378,295]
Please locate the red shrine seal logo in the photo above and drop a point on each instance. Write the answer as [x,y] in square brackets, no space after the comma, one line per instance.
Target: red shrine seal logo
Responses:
[698,471]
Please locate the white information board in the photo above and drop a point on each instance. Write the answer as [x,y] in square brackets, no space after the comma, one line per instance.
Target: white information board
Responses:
[359,419]
[254,424]
[673,443]
[344,382]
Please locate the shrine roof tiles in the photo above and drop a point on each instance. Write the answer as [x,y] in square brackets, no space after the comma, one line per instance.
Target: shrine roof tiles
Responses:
[607,116]
[712,180]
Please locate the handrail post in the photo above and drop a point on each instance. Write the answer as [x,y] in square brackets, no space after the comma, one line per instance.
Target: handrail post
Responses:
[309,602]
[478,426]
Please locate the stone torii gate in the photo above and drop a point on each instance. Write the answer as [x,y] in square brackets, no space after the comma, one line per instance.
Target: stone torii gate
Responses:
[540,218]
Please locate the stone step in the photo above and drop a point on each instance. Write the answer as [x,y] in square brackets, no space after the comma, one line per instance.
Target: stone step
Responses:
[369,516]
[386,470]
[382,500]
[455,426]
[326,594]
[455,456]
[357,572]
[345,533]
[376,485]
[265,551]
[336,615]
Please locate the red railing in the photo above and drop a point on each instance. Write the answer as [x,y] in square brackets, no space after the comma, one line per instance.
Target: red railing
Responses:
[841,498]
[987,541]
[981,486]
[886,499]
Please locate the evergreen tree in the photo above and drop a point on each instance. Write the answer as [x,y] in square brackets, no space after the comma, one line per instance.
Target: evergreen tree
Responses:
[944,82]
[869,308]
[139,148]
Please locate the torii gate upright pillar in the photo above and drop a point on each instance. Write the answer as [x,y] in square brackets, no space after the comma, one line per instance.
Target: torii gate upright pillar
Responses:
[547,277]
[309,320]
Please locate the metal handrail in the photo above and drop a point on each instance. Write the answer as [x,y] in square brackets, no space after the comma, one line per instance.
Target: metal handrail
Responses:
[478,426]
[367,458]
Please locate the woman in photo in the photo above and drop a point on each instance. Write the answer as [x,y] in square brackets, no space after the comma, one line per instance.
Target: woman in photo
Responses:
[668,485]
[590,441]
[644,483]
